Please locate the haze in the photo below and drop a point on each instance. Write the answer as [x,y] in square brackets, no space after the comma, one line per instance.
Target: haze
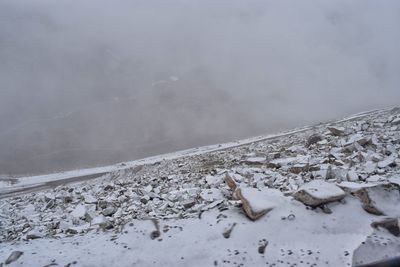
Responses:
[90,83]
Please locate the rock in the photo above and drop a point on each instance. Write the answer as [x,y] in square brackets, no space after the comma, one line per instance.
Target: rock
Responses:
[187,204]
[257,203]
[262,246]
[375,179]
[313,139]
[227,233]
[390,224]
[337,131]
[352,187]
[50,204]
[48,197]
[376,157]
[89,199]
[146,199]
[71,231]
[318,192]
[255,160]
[102,222]
[34,235]
[284,162]
[352,176]
[15,255]
[388,162]
[109,211]
[396,121]
[298,168]
[211,194]
[230,182]
[382,199]
[337,174]
[79,212]
[213,180]
[395,181]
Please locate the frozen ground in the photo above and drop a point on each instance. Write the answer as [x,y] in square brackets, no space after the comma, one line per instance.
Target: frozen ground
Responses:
[333,190]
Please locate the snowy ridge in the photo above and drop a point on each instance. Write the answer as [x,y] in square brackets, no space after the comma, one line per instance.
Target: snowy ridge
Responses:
[325,195]
[21,184]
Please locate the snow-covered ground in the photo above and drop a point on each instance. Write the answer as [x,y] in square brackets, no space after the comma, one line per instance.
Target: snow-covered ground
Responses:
[328,195]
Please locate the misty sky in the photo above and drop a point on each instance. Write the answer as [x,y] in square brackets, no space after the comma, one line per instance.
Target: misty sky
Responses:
[86,83]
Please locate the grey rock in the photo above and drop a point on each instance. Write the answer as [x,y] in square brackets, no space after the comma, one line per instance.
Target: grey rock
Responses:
[109,211]
[187,204]
[382,199]
[318,192]
[15,255]
[388,162]
[313,139]
[352,176]
[396,121]
[337,131]
[390,224]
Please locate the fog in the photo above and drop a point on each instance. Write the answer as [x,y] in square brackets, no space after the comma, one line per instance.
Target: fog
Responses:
[88,83]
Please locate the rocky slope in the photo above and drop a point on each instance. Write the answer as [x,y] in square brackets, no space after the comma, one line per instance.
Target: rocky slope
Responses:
[337,182]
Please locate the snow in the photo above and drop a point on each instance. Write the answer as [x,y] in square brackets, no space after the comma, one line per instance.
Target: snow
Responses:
[175,212]
[199,242]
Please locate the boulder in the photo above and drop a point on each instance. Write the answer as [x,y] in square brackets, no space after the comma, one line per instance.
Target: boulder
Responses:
[15,255]
[382,199]
[337,131]
[318,192]
[390,224]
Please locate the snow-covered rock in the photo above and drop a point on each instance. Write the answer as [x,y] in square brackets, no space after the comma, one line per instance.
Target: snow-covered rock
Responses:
[318,192]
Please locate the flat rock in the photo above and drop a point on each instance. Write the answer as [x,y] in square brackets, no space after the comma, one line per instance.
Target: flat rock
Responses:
[79,211]
[389,161]
[390,224]
[337,131]
[318,192]
[15,255]
[313,139]
[89,199]
[396,121]
[352,176]
[352,187]
[382,199]
[255,160]
[211,194]
[256,203]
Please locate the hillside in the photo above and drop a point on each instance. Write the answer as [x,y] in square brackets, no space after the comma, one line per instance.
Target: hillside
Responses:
[325,195]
